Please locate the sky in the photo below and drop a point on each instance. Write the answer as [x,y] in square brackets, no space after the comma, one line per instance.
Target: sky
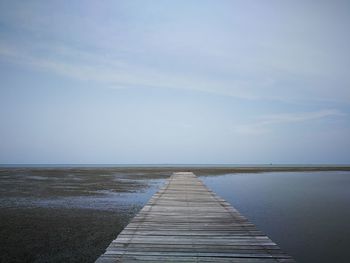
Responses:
[174,82]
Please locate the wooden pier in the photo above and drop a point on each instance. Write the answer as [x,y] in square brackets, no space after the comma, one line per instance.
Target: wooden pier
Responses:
[186,222]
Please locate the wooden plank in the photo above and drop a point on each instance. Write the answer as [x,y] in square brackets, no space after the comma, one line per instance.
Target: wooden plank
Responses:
[186,222]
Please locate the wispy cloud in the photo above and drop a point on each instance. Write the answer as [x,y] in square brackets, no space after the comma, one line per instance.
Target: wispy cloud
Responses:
[218,51]
[117,73]
[264,123]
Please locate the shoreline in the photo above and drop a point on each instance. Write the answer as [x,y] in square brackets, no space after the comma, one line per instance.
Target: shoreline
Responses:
[200,170]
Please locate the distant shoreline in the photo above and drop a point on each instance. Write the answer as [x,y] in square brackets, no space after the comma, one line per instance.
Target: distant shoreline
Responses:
[197,169]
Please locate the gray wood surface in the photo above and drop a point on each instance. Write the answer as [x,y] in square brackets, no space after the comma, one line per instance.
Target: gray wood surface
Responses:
[186,222]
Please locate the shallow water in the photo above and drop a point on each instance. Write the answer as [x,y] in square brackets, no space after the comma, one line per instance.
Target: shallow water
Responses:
[98,200]
[306,213]
[98,189]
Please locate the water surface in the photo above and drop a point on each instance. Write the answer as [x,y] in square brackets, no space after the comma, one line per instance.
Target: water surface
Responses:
[306,213]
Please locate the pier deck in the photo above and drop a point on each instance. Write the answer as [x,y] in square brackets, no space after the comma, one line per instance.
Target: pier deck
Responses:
[186,222]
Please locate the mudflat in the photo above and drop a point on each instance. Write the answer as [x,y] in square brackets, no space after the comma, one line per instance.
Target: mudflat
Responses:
[57,235]
[67,215]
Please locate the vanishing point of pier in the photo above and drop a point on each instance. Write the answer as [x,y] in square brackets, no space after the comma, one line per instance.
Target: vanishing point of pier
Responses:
[186,222]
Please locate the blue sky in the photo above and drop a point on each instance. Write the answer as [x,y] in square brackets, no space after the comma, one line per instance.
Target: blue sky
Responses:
[174,82]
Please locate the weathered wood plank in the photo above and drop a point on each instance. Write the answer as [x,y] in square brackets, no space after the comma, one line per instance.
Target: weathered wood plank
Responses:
[186,222]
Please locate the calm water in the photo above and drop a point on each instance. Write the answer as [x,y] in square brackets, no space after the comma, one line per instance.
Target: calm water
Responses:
[307,214]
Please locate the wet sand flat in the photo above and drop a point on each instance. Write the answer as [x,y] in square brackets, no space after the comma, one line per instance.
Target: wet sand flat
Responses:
[57,235]
[67,215]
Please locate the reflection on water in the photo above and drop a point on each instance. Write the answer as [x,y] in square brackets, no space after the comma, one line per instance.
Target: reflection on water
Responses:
[306,213]
[108,200]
